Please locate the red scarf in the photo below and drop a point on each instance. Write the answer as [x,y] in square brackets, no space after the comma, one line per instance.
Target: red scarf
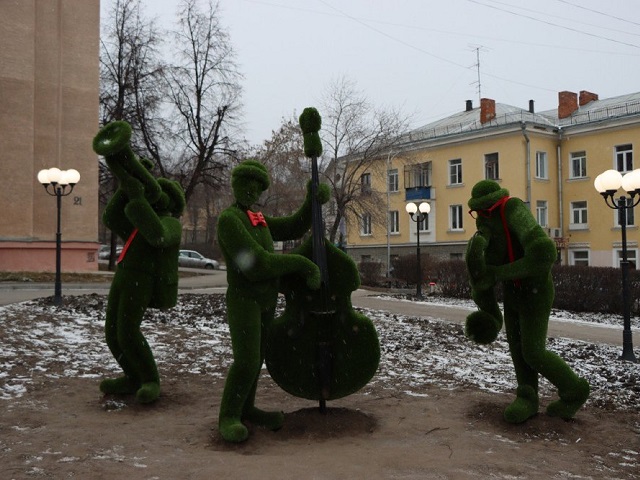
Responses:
[126,245]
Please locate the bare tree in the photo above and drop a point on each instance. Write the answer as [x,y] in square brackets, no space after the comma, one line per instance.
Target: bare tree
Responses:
[283,155]
[204,89]
[355,134]
[130,73]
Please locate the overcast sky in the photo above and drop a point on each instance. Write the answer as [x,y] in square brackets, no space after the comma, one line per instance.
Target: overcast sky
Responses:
[421,55]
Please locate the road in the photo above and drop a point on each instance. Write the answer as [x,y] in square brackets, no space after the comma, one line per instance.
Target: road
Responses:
[215,282]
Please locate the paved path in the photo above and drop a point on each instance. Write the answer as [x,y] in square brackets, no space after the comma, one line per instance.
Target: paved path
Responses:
[215,282]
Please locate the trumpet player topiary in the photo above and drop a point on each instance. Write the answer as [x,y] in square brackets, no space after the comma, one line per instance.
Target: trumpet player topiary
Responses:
[143,213]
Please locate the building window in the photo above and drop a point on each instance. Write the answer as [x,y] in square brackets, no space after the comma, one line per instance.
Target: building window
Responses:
[580,257]
[579,213]
[491,171]
[578,164]
[423,224]
[542,167]
[455,217]
[455,171]
[394,222]
[542,213]
[393,180]
[630,216]
[365,183]
[416,176]
[365,224]
[624,158]
[631,258]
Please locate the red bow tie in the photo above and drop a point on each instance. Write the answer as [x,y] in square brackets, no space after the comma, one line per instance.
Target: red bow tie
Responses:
[256,218]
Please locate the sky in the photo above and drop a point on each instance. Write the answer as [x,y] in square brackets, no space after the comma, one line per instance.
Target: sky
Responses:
[423,57]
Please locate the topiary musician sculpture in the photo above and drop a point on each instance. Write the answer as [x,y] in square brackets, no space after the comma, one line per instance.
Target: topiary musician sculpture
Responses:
[253,272]
[142,212]
[510,247]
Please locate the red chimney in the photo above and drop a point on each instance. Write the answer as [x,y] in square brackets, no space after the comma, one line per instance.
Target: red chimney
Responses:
[567,104]
[586,97]
[487,110]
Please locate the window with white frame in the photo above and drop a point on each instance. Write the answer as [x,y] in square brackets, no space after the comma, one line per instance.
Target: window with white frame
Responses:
[578,167]
[423,224]
[631,257]
[542,213]
[579,257]
[542,167]
[629,214]
[491,170]
[394,222]
[624,158]
[365,224]
[579,215]
[393,180]
[455,217]
[455,171]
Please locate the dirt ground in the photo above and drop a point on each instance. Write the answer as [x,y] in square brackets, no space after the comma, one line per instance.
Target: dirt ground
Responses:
[55,423]
[66,429]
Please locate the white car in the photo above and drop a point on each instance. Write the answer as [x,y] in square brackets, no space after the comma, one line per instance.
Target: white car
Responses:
[193,259]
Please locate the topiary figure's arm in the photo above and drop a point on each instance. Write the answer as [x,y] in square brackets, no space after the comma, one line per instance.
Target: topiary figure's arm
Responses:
[539,250]
[157,231]
[254,262]
[114,217]
[297,224]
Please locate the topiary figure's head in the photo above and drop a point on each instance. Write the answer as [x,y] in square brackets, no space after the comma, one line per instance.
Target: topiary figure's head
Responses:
[248,180]
[485,194]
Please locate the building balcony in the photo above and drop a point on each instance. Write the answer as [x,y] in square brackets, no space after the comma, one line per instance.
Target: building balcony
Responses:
[419,193]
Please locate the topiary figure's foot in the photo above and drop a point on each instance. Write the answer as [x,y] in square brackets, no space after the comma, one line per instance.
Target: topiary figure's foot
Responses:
[569,404]
[271,420]
[524,406]
[119,386]
[232,430]
[148,392]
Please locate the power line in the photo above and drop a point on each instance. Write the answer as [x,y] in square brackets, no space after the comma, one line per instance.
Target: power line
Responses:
[554,24]
[598,12]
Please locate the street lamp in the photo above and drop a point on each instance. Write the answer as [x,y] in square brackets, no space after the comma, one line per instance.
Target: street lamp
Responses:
[61,183]
[607,184]
[418,213]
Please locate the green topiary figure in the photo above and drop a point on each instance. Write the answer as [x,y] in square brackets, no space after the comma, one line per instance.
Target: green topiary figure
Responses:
[510,247]
[143,212]
[253,272]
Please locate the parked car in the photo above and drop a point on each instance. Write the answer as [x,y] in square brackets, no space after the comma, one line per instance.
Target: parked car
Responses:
[193,259]
[105,250]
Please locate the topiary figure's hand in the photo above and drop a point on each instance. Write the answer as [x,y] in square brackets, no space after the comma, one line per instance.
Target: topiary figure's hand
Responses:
[133,188]
[323,194]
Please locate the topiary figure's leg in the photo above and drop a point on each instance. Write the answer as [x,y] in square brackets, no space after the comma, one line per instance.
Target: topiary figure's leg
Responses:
[240,386]
[136,350]
[129,383]
[270,420]
[526,403]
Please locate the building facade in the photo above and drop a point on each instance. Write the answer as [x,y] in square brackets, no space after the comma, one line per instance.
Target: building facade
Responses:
[548,159]
[49,88]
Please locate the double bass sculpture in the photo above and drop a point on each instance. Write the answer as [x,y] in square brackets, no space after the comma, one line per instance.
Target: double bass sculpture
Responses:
[320,348]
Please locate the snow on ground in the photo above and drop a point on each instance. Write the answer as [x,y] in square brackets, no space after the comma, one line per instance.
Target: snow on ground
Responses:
[38,339]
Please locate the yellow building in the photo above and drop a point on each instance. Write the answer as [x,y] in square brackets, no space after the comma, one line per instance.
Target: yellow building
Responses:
[548,159]
[49,88]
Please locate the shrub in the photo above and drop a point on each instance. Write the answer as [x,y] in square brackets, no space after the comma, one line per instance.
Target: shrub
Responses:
[370,273]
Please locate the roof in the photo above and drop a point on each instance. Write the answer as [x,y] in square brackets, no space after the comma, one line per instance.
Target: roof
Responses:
[469,121]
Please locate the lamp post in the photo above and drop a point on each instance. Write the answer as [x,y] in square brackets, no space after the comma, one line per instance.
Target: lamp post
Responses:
[58,183]
[418,213]
[607,184]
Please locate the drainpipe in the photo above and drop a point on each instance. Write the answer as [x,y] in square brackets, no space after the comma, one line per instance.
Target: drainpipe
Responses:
[560,192]
[523,125]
